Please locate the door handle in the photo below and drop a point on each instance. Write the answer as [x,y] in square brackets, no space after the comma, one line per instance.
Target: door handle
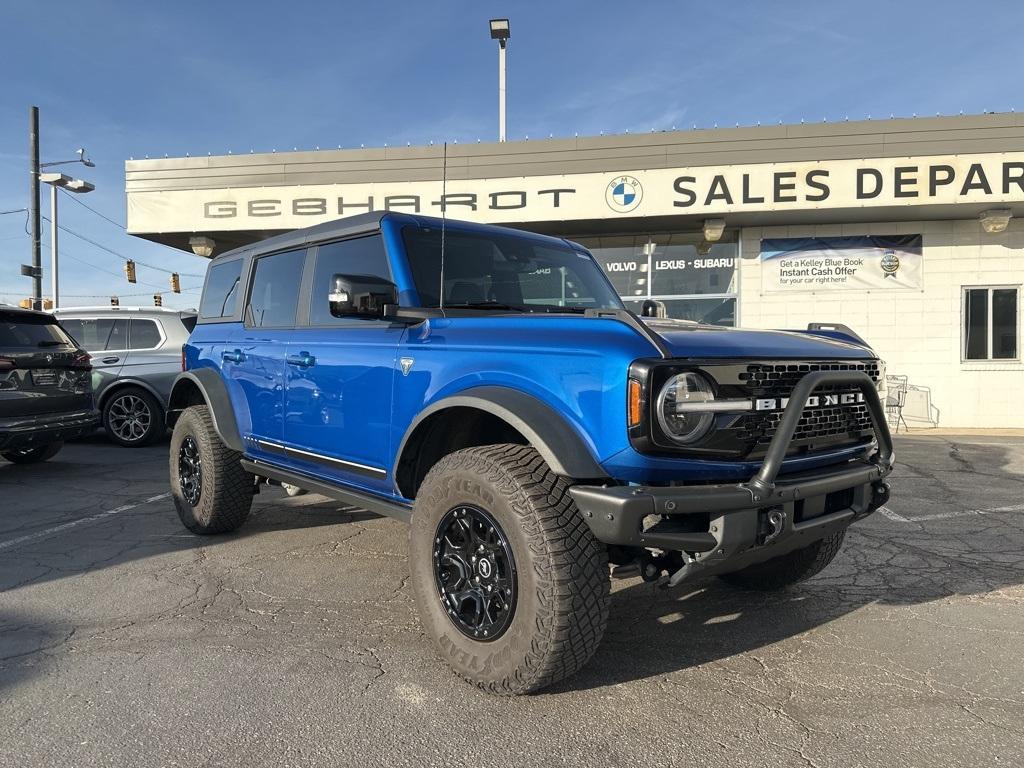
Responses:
[110,360]
[301,360]
[238,356]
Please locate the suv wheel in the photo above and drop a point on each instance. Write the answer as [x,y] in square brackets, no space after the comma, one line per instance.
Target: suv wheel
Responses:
[32,455]
[211,491]
[789,569]
[132,417]
[509,581]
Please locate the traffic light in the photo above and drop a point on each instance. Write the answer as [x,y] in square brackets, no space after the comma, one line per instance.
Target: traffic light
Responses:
[114,301]
[158,300]
[175,283]
[129,270]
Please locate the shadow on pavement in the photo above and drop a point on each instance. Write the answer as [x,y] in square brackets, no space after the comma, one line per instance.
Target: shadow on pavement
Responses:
[651,632]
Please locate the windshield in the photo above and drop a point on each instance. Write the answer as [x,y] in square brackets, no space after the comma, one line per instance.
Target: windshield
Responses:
[504,272]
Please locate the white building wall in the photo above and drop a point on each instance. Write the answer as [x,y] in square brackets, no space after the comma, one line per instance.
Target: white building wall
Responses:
[917,333]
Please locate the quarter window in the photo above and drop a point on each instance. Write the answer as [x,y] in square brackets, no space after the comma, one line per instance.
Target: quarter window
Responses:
[220,299]
[991,323]
[275,289]
[144,334]
[362,256]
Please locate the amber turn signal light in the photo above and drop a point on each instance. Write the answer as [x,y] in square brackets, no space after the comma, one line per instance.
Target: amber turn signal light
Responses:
[634,402]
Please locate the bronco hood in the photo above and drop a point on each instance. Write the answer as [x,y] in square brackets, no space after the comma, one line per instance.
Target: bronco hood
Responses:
[693,340]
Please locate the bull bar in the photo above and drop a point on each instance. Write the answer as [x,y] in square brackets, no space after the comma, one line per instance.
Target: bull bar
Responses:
[737,512]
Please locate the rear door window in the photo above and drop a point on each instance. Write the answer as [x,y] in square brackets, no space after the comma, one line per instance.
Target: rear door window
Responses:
[145,334]
[275,290]
[220,298]
[118,338]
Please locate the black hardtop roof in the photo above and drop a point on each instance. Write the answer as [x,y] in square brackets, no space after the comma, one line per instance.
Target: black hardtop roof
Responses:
[365,223]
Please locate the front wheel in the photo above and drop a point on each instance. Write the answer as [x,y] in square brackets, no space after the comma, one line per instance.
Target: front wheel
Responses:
[34,455]
[790,568]
[510,583]
[211,491]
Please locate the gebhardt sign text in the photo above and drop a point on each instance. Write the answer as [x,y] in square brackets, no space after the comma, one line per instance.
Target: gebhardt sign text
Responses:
[702,191]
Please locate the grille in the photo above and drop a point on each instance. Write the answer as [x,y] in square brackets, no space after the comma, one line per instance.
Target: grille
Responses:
[779,379]
[828,425]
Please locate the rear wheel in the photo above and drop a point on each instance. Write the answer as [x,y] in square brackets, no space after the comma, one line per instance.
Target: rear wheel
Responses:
[789,569]
[211,491]
[509,581]
[33,455]
[132,417]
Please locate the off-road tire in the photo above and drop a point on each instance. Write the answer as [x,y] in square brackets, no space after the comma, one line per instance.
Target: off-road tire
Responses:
[34,455]
[226,489]
[157,421]
[562,584]
[789,569]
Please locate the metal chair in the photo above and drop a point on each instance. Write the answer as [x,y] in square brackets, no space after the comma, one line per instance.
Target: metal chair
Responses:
[895,399]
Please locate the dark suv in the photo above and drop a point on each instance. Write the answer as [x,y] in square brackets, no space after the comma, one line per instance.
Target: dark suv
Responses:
[488,386]
[45,387]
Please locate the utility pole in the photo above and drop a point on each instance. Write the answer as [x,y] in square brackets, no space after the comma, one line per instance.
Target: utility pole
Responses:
[33,203]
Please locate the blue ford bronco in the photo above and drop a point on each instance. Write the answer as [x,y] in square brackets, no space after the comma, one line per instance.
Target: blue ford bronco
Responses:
[487,386]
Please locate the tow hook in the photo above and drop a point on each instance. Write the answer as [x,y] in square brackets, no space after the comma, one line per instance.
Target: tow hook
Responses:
[776,522]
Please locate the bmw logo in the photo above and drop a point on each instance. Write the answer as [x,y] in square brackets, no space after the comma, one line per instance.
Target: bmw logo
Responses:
[623,194]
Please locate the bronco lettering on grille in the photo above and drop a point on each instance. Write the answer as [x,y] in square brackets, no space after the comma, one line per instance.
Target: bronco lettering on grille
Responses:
[814,401]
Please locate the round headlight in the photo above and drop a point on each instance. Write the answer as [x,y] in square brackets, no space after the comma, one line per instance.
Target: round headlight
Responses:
[680,413]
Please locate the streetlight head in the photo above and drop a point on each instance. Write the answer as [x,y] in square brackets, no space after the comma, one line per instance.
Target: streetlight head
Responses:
[500,30]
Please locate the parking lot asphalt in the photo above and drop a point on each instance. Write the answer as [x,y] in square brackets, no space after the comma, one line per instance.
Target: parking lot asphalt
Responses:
[126,641]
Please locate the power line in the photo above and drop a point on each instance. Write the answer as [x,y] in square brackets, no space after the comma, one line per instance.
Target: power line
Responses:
[119,255]
[85,205]
[116,223]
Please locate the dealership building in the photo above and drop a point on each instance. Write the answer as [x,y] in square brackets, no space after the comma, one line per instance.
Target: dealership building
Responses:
[909,231]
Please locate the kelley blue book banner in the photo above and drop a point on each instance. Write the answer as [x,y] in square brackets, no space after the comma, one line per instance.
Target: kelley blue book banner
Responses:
[877,262]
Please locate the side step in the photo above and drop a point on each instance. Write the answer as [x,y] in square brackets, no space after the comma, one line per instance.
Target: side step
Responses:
[360,499]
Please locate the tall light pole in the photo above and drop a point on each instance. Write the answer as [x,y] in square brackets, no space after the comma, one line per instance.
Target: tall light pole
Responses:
[500,31]
[35,269]
[56,181]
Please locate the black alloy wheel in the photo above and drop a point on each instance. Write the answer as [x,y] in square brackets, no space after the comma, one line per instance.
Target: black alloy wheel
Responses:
[475,573]
[190,471]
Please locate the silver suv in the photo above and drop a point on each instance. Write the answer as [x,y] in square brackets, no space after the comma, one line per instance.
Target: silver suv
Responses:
[136,353]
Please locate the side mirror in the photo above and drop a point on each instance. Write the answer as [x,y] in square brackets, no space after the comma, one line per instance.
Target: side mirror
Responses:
[360,295]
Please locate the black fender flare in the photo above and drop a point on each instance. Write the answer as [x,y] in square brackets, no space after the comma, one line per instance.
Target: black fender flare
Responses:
[129,382]
[544,428]
[211,387]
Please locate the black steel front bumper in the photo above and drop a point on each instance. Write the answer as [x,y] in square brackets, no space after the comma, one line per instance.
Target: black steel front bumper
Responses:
[759,519]
[21,432]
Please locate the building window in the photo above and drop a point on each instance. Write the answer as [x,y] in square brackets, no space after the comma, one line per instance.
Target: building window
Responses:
[991,327]
[689,279]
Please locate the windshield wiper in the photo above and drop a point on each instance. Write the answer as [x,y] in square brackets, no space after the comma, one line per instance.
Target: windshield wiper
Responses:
[484,305]
[52,343]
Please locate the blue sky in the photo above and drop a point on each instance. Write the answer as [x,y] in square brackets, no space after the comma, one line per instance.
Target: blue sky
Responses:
[130,79]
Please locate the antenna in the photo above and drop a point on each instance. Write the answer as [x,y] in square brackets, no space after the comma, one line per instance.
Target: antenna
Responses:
[444,217]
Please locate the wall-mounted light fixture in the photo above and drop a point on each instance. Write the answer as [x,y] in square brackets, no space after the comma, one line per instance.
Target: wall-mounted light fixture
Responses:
[202,246]
[995,220]
[713,229]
